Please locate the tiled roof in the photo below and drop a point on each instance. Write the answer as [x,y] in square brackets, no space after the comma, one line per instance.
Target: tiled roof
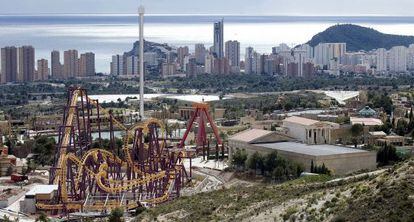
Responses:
[250,135]
[300,120]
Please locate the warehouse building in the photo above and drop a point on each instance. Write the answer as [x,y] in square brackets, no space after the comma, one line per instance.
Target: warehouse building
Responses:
[340,160]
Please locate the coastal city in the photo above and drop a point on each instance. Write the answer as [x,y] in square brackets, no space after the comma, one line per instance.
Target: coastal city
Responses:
[19,64]
[317,131]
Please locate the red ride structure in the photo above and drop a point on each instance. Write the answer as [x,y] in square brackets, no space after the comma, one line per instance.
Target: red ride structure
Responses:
[202,116]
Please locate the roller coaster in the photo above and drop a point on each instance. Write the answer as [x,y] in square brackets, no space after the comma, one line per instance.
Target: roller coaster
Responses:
[143,172]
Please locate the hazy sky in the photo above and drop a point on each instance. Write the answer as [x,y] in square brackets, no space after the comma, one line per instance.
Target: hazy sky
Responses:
[254,7]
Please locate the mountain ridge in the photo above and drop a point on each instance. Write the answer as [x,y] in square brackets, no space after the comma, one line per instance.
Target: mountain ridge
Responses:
[360,38]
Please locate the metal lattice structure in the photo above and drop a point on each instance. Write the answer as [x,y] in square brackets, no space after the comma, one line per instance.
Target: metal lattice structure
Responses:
[202,116]
[144,173]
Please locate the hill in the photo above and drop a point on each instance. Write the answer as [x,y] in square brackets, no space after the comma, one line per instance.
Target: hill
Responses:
[384,195]
[360,38]
[160,49]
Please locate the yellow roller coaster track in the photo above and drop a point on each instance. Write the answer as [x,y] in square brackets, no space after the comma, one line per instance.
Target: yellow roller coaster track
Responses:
[112,186]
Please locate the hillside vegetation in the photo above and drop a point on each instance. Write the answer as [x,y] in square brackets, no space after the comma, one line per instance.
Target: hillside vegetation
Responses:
[360,38]
[385,195]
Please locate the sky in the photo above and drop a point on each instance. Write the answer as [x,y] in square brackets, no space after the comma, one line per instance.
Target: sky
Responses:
[222,7]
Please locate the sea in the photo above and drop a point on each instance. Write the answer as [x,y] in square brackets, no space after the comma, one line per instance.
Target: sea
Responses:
[109,34]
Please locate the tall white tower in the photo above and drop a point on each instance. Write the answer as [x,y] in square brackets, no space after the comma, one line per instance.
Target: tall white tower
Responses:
[141,12]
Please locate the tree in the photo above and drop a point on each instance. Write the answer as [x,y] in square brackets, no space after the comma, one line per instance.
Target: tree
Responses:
[271,161]
[387,154]
[116,215]
[239,158]
[402,127]
[312,167]
[44,150]
[321,169]
[255,162]
[356,131]
[42,218]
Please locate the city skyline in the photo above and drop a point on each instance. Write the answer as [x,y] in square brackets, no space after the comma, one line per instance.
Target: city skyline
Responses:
[239,7]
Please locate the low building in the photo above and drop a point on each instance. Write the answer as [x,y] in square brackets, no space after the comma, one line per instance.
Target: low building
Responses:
[374,136]
[366,121]
[340,160]
[394,140]
[310,131]
[247,139]
[37,193]
[9,196]
[367,112]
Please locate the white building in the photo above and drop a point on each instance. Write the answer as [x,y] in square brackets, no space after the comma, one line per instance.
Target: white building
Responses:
[309,131]
[410,57]
[398,59]
[325,52]
[308,50]
[381,59]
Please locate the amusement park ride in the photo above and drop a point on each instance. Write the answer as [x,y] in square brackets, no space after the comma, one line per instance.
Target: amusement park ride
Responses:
[145,173]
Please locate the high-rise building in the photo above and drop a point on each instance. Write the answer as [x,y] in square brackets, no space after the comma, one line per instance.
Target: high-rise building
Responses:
[219,39]
[208,64]
[56,66]
[308,70]
[8,64]
[248,62]
[26,64]
[221,66]
[381,59]
[325,52]
[300,58]
[233,53]
[258,63]
[71,64]
[168,69]
[117,65]
[151,58]
[200,53]
[42,70]
[132,66]
[410,57]
[87,64]
[308,50]
[182,52]
[191,67]
[281,48]
[398,59]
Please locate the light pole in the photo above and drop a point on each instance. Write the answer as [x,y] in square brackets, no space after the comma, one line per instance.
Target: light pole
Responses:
[141,12]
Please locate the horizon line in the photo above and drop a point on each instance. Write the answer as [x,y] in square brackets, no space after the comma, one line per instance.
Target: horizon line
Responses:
[203,14]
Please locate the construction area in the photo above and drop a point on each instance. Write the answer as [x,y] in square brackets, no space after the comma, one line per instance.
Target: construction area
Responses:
[149,169]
